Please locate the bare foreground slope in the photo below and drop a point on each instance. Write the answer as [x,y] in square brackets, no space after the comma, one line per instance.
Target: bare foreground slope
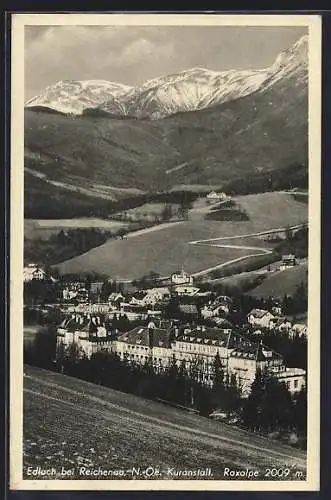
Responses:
[83,427]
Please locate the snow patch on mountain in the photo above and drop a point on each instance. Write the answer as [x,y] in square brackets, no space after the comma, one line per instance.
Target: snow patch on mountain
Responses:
[74,96]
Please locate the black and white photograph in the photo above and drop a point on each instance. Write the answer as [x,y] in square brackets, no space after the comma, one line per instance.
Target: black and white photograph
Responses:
[165,177]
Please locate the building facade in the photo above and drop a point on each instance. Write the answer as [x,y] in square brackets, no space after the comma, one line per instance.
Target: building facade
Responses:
[162,342]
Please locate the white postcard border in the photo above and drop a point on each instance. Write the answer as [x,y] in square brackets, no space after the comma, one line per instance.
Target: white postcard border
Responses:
[16,247]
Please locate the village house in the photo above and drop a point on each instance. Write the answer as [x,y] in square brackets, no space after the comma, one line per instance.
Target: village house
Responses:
[75,291]
[188,290]
[150,297]
[213,310]
[276,310]
[283,325]
[181,278]
[82,295]
[33,272]
[214,196]
[261,318]
[288,261]
[299,330]
[189,310]
[138,298]
[115,299]
[87,331]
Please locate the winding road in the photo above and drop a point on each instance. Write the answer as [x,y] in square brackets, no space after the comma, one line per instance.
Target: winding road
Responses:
[214,242]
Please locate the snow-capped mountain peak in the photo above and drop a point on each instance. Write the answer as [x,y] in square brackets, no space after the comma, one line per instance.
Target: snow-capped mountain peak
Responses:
[191,89]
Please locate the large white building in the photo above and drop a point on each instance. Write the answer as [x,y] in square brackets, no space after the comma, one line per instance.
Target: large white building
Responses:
[161,342]
[87,331]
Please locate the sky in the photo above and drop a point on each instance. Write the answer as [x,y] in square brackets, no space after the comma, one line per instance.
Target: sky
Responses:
[134,54]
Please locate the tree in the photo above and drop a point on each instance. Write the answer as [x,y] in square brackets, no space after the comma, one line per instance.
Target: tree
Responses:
[252,410]
[233,395]
[288,233]
[60,356]
[218,389]
[269,406]
[44,348]
[183,212]
[166,212]
[73,356]
[202,400]
[153,277]
[174,388]
[300,298]
[300,411]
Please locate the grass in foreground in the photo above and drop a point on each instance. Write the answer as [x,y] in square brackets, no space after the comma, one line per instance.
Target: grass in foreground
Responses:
[72,423]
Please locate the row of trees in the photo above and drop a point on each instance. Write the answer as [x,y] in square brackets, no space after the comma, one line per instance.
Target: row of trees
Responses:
[292,176]
[64,245]
[270,406]
[228,214]
[294,304]
[47,201]
[295,242]
[169,212]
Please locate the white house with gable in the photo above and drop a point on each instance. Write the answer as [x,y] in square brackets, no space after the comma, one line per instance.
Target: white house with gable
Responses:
[261,318]
[181,278]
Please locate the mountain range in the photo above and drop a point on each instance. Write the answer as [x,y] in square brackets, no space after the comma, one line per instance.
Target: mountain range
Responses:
[195,127]
[190,90]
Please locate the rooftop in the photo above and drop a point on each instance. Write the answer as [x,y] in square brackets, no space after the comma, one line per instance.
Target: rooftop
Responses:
[255,351]
[144,336]
[258,313]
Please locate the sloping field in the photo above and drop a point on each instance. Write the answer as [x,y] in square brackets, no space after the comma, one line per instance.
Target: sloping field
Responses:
[274,209]
[281,282]
[166,248]
[74,424]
